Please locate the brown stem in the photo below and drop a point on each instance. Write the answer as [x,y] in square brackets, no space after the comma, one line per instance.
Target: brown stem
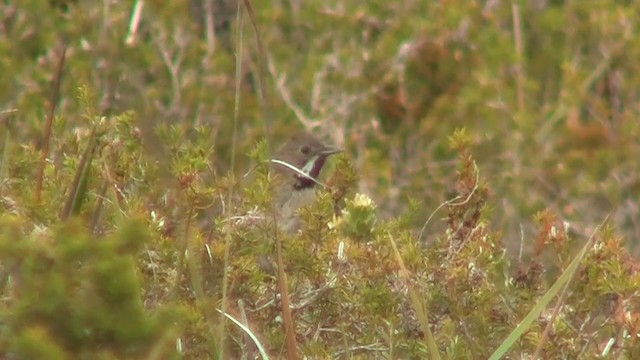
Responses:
[53,103]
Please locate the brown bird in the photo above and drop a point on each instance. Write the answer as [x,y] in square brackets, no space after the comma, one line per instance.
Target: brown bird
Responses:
[297,164]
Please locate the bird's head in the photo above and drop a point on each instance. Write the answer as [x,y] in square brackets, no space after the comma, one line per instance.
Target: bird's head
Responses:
[302,158]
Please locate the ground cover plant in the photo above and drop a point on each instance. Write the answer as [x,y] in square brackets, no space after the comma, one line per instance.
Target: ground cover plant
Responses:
[485,204]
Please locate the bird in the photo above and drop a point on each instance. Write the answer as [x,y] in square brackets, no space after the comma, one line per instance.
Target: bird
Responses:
[297,166]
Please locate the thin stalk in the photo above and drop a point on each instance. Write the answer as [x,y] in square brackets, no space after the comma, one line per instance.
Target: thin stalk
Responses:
[53,104]
[236,116]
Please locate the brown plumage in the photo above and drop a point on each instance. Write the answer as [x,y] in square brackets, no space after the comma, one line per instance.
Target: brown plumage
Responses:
[296,188]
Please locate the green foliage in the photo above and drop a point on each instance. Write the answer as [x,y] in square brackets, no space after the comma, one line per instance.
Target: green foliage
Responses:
[482,144]
[358,217]
[75,294]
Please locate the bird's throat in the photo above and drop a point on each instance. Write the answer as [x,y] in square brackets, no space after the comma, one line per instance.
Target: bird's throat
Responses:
[312,169]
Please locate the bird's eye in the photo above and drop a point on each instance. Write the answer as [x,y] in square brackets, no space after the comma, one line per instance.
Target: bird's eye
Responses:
[305,149]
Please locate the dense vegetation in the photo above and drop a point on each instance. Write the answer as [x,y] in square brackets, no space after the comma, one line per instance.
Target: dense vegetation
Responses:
[489,179]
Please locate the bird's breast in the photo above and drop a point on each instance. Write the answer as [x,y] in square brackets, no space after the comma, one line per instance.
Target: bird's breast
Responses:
[289,204]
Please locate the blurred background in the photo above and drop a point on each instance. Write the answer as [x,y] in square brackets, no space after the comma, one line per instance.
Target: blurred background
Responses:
[547,89]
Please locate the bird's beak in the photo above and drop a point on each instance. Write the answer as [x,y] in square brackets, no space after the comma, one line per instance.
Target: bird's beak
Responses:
[330,150]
